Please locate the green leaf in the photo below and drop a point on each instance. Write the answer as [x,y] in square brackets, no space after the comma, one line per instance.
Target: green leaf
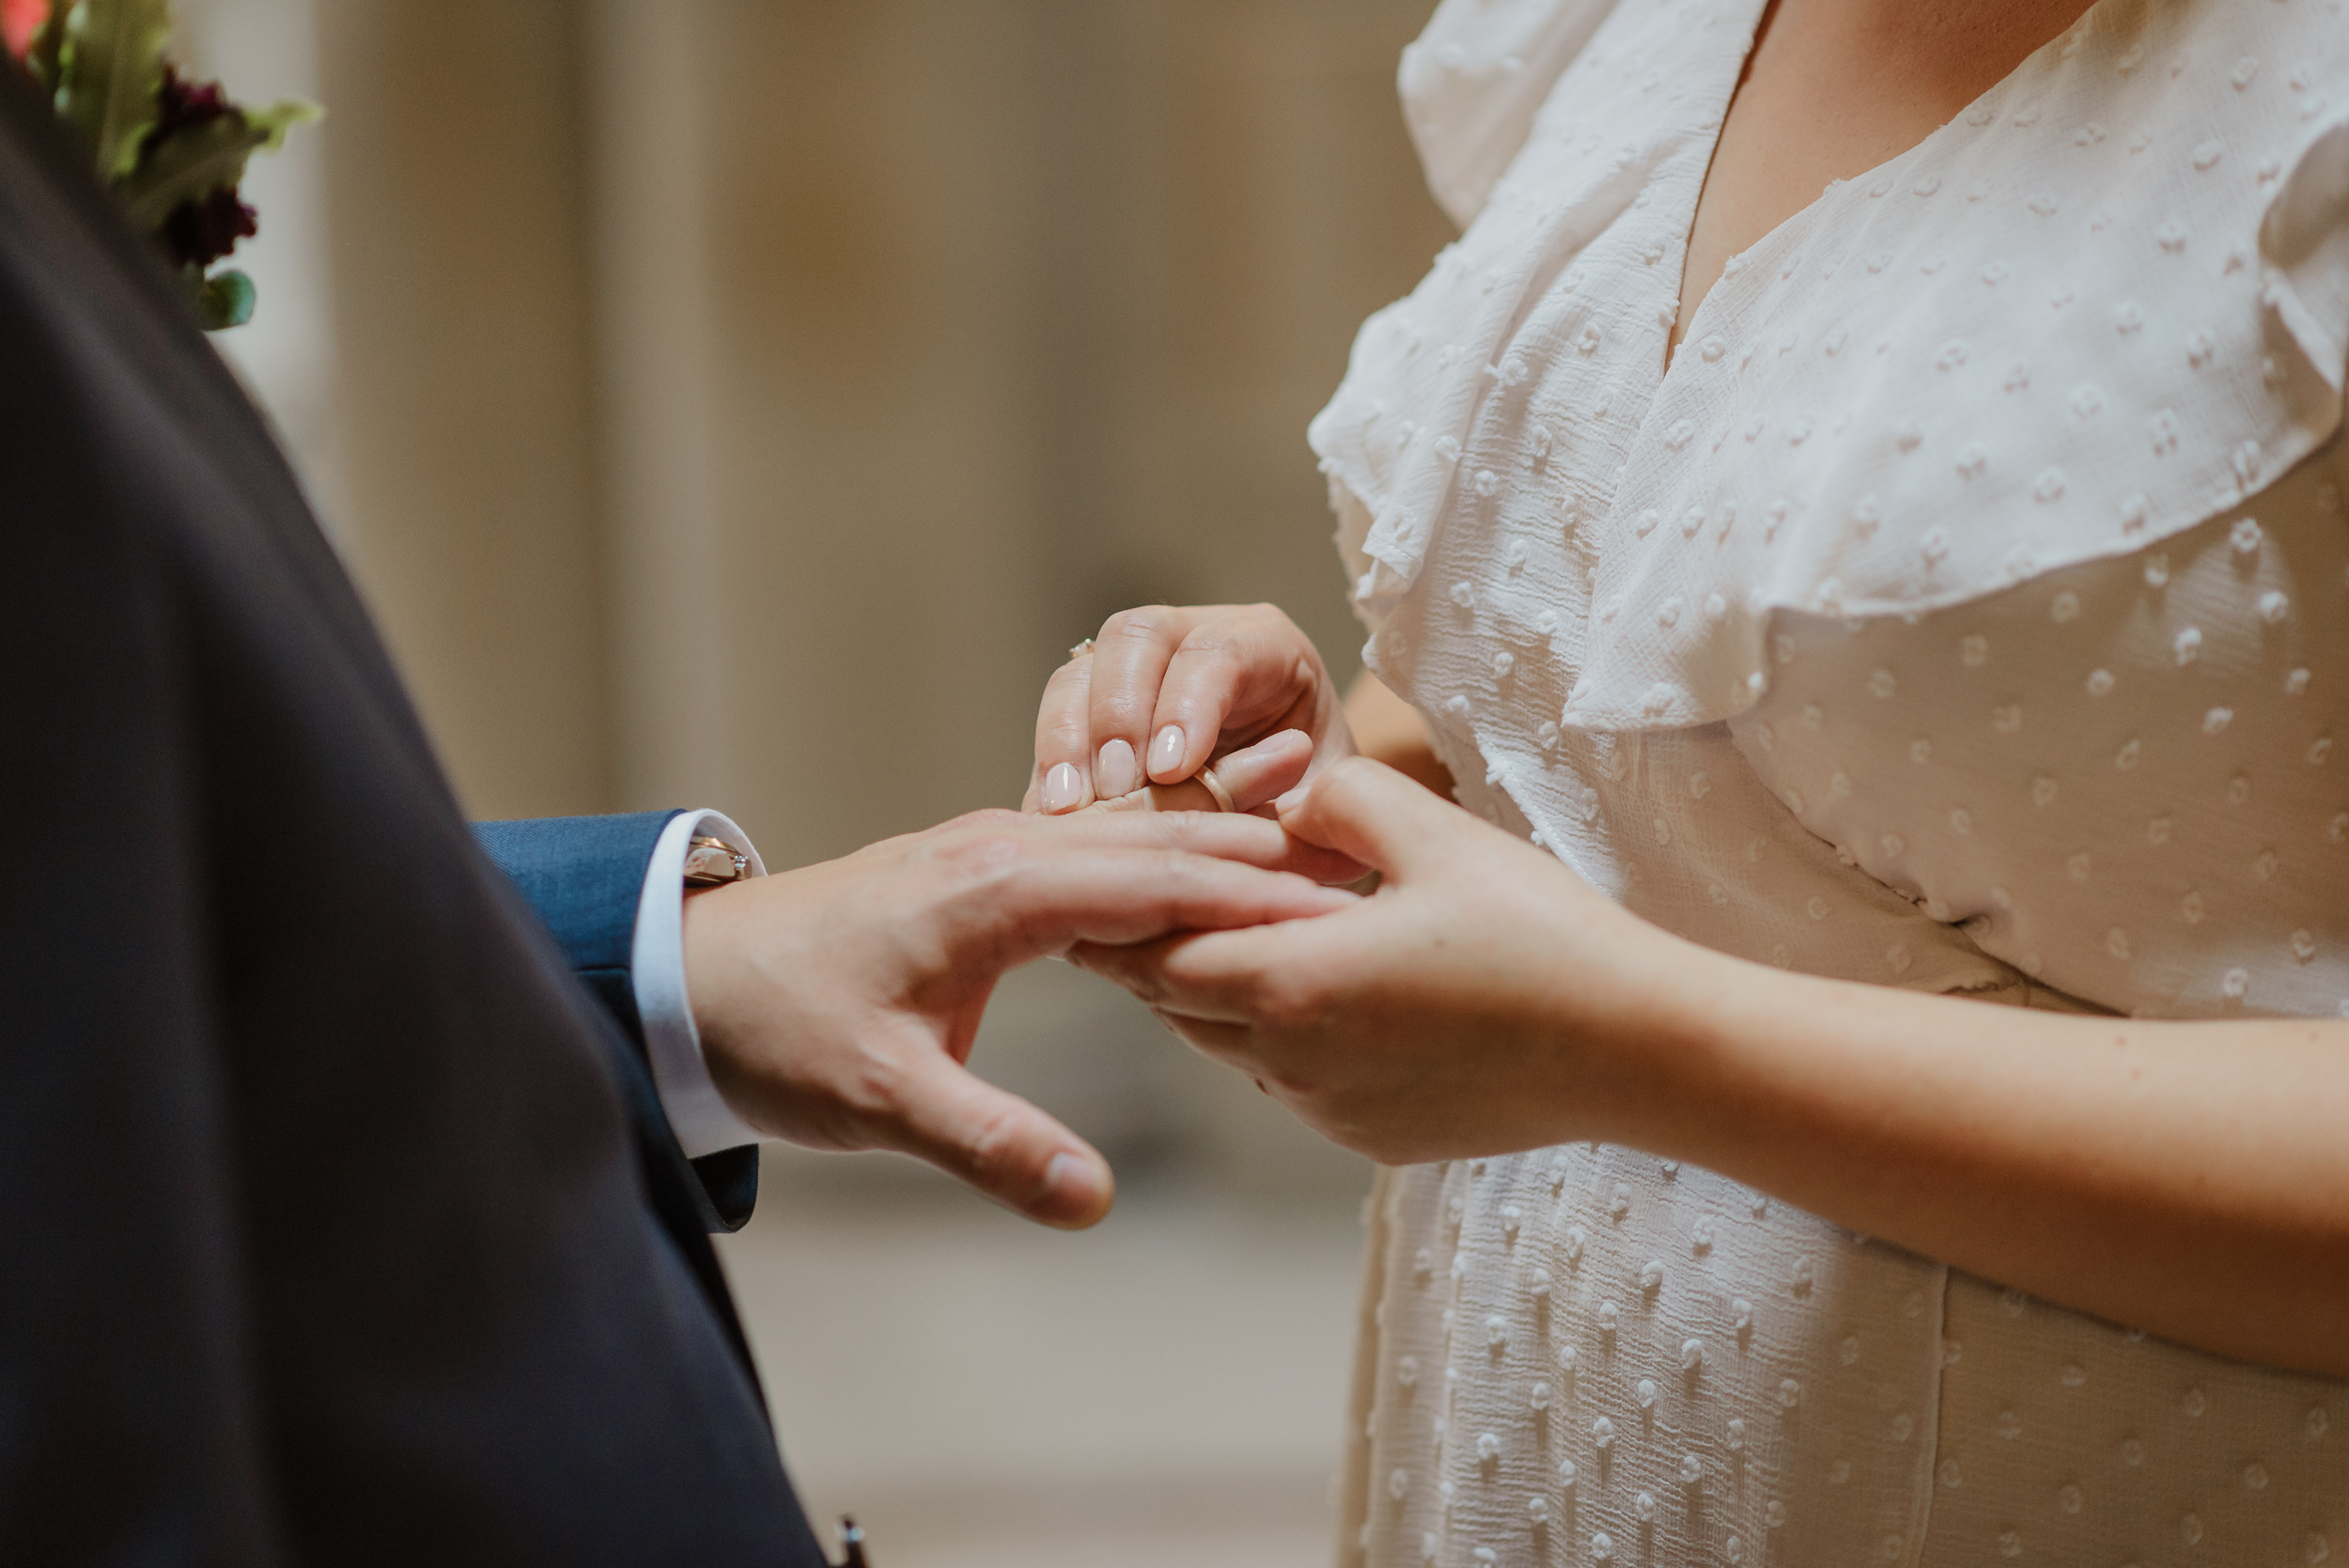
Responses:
[225,300]
[191,163]
[280,117]
[111,68]
[197,160]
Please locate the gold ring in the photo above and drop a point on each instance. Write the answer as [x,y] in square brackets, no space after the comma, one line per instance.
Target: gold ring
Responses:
[1081,650]
[1215,787]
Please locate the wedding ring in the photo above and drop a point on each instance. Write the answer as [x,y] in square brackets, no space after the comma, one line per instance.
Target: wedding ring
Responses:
[1215,787]
[1081,650]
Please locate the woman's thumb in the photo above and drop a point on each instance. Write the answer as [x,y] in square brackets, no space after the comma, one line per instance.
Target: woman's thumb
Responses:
[1369,812]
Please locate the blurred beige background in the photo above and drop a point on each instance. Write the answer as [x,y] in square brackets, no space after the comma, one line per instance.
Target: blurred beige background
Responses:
[744,403]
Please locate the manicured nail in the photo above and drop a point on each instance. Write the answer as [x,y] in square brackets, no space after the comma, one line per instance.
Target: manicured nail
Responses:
[1116,775]
[1073,1187]
[1166,755]
[1063,788]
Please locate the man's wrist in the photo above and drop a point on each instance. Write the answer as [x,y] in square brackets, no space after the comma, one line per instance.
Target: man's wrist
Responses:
[698,1114]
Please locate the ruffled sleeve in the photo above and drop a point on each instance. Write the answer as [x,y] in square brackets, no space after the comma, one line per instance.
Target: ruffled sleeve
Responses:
[2042,342]
[1474,81]
[2303,240]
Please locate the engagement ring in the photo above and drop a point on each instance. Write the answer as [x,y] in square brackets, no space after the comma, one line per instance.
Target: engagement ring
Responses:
[1215,787]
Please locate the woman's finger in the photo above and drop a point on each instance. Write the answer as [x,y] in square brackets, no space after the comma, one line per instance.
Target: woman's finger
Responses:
[1247,667]
[1227,836]
[1372,814]
[1232,1044]
[1191,795]
[1243,782]
[1130,660]
[1259,774]
[1218,976]
[1063,780]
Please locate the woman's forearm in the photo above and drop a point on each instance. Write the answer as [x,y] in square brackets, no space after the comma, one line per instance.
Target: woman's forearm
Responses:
[2187,1178]
[1390,730]
[2192,1179]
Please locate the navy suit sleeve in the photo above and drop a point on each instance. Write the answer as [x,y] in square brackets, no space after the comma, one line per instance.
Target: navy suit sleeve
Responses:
[583,875]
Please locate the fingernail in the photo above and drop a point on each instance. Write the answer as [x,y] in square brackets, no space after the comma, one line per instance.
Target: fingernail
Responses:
[1072,1187]
[1287,802]
[1166,753]
[1063,788]
[1116,775]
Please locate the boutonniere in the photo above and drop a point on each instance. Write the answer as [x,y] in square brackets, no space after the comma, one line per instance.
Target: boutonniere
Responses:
[170,149]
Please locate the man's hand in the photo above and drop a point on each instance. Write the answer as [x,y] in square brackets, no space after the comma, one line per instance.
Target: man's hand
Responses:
[837,1003]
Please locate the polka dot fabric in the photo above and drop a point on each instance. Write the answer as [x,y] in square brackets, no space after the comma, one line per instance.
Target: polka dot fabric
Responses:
[2066,1441]
[2109,299]
[1964,610]
[1589,1355]
[2118,777]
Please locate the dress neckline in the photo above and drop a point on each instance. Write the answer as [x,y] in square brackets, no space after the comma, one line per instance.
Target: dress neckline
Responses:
[1805,215]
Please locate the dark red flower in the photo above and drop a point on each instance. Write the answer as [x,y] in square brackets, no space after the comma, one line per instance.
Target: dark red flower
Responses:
[200,232]
[180,105]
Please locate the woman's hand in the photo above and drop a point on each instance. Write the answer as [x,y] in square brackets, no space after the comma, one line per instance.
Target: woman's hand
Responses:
[1477,1003]
[1244,780]
[1165,690]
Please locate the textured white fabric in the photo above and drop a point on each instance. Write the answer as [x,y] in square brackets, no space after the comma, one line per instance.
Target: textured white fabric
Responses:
[2119,778]
[1688,629]
[2061,326]
[1473,82]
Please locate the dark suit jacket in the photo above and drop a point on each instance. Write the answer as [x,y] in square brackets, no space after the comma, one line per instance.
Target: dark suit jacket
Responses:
[583,875]
[338,1223]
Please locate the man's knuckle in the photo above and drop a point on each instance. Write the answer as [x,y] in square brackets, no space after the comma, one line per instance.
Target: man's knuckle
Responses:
[871,1091]
[1177,872]
[987,852]
[993,1151]
[1195,836]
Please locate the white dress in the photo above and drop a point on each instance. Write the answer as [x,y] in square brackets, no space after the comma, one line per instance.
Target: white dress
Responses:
[1966,609]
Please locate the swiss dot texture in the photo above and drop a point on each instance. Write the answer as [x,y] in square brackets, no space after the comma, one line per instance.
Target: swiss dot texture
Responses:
[1966,609]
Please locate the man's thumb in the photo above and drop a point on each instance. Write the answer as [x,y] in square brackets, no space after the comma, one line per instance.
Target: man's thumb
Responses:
[1002,1145]
[1369,812]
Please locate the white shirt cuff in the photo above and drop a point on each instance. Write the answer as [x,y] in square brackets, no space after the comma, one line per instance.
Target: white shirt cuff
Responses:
[702,1121]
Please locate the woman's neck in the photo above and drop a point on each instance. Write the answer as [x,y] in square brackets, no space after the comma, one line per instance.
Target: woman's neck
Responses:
[1834,88]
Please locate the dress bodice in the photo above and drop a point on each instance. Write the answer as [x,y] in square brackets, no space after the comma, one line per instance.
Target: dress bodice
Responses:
[2118,777]
[1964,610]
